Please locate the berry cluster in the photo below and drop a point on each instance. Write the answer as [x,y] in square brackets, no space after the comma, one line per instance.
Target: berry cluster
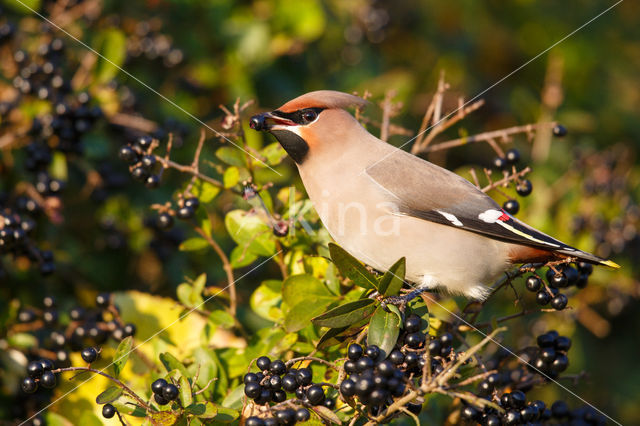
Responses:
[272,384]
[516,411]
[557,278]
[164,392]
[377,381]
[16,231]
[552,356]
[146,39]
[39,374]
[143,164]
[523,186]
[87,327]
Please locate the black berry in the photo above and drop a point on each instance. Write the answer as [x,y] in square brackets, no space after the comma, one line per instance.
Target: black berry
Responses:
[89,355]
[103,300]
[302,415]
[158,385]
[108,411]
[534,283]
[263,363]
[559,302]
[48,380]
[354,351]
[277,367]
[315,394]
[304,376]
[170,392]
[559,130]
[29,385]
[372,351]
[254,421]
[35,369]
[348,387]
[185,213]
[511,206]
[164,221]
[412,323]
[512,156]
[499,163]
[524,187]
[542,297]
[252,390]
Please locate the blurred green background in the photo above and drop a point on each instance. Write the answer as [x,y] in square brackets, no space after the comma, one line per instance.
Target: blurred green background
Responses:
[274,50]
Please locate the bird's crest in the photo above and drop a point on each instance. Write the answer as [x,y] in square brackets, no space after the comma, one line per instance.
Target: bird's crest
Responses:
[323,99]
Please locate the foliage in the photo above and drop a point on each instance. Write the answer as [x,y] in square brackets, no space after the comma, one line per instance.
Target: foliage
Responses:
[196,293]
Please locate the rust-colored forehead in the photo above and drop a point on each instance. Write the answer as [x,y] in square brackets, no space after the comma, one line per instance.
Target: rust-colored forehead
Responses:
[323,99]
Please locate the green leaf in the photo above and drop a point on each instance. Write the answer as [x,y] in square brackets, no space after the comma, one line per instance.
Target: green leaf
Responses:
[112,45]
[109,395]
[129,409]
[347,314]
[299,316]
[418,307]
[204,220]
[304,287]
[58,167]
[224,414]
[274,153]
[231,155]
[329,338]
[231,177]
[185,391]
[171,363]
[24,6]
[265,300]
[234,398]
[221,318]
[351,268]
[23,340]
[241,256]
[384,330]
[205,191]
[327,414]
[193,244]
[55,419]
[122,355]
[248,229]
[164,418]
[391,282]
[306,296]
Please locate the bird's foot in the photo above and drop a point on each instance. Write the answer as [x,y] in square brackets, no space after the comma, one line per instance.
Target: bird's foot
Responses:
[401,301]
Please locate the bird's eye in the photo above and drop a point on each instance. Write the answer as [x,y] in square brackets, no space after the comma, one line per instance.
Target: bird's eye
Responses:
[309,116]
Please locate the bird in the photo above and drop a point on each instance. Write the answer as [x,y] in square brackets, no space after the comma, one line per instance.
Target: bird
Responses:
[381,203]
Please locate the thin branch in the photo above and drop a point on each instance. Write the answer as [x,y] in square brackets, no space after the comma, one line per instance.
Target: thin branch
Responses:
[226,265]
[504,181]
[124,387]
[484,137]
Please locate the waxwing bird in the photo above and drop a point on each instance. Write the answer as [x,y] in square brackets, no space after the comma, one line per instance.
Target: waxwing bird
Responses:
[381,203]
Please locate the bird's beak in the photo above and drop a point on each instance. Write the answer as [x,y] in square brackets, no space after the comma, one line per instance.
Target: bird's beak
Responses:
[268,120]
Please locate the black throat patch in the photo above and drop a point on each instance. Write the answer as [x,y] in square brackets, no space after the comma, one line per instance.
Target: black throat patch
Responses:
[295,146]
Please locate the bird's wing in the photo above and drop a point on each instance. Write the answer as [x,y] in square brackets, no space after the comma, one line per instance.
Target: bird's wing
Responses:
[426,191]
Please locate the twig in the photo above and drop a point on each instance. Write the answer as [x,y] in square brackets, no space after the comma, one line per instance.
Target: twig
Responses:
[124,387]
[292,361]
[483,137]
[507,179]
[133,122]
[226,265]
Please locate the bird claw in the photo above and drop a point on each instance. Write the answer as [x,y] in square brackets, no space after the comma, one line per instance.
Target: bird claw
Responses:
[401,301]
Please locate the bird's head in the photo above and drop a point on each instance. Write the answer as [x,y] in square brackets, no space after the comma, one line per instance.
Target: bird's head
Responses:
[303,123]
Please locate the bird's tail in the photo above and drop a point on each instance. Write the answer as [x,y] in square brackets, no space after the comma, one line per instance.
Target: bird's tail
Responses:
[587,257]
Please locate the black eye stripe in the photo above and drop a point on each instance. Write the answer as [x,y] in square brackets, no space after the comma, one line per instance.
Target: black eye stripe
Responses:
[297,116]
